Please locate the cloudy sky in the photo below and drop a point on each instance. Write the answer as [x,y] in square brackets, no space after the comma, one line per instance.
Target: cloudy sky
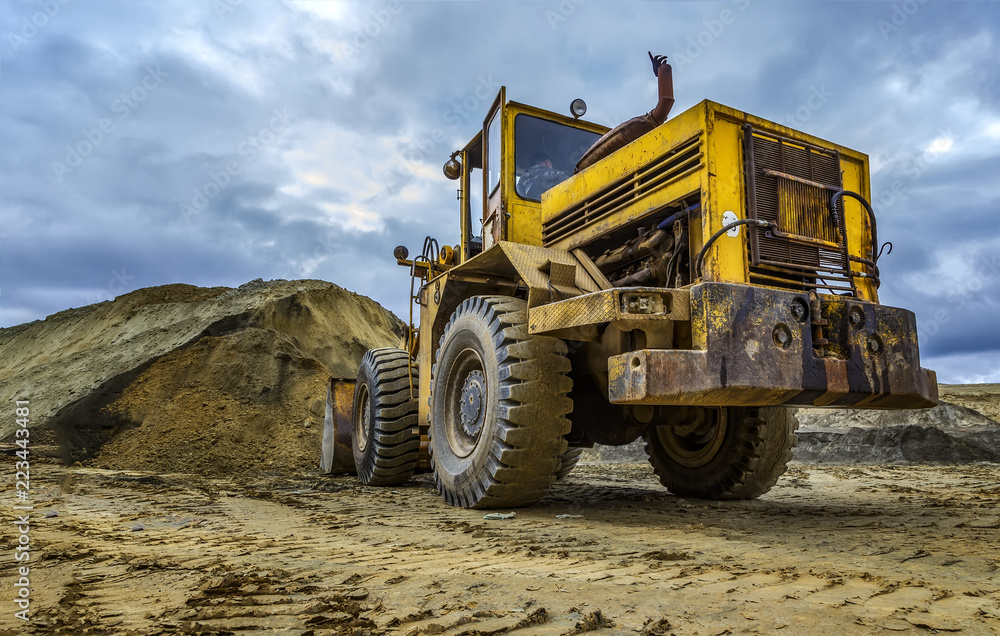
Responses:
[217,142]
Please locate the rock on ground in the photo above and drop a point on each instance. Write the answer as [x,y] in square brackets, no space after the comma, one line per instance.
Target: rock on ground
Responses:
[184,378]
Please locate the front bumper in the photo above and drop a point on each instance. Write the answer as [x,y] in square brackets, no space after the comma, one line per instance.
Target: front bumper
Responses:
[754,347]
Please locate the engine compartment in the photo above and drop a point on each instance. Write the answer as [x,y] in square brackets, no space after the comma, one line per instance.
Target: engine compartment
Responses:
[653,252]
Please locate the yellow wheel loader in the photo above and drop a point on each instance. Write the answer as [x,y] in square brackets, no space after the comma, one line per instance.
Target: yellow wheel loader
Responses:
[686,280]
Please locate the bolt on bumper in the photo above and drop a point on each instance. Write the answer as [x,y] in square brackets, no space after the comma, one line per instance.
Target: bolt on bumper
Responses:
[753,346]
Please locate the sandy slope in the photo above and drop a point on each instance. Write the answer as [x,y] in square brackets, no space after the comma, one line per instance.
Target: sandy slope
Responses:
[184,378]
[984,398]
[859,550]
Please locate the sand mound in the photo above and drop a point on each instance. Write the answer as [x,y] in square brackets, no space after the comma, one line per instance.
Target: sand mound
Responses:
[182,378]
[235,403]
[982,398]
[947,433]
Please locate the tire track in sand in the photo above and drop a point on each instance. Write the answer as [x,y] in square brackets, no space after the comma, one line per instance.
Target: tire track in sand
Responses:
[129,553]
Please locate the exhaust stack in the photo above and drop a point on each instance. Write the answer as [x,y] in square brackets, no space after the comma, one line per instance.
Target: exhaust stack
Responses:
[636,127]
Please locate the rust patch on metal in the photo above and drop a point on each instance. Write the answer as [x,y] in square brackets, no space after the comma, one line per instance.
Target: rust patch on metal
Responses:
[338,427]
[759,350]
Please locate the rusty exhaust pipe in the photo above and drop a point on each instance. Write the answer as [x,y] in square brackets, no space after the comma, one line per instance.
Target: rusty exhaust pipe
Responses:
[665,88]
[625,133]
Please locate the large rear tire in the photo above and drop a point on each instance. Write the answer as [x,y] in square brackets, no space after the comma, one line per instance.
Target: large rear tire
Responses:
[386,438]
[499,405]
[568,461]
[726,453]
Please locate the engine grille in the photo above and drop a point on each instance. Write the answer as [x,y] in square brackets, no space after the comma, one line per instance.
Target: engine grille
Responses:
[680,161]
[790,184]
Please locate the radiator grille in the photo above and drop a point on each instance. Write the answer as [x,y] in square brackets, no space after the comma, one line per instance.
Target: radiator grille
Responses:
[790,184]
[680,161]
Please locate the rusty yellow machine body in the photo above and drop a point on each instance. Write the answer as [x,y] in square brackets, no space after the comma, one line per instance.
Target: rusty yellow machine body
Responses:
[688,287]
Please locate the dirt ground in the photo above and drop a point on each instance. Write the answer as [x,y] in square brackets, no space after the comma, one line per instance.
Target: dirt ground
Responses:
[831,549]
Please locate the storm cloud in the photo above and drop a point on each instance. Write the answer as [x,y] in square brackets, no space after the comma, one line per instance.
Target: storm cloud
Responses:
[213,143]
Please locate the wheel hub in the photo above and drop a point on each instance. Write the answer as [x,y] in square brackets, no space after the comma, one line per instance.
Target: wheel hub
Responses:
[466,396]
[696,442]
[472,403]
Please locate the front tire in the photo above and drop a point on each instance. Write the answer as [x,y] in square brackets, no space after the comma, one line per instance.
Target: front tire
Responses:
[499,405]
[386,439]
[723,453]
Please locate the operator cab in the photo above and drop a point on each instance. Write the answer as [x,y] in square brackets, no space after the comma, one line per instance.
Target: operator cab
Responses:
[522,152]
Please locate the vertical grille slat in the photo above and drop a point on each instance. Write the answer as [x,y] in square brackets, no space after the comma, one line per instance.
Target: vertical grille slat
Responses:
[790,183]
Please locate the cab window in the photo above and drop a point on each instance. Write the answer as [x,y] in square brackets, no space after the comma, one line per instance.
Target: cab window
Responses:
[546,153]
[493,152]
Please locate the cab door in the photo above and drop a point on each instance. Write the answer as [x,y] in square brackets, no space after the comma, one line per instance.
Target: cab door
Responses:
[494,212]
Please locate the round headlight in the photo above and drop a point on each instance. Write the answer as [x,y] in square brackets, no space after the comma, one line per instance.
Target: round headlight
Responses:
[452,169]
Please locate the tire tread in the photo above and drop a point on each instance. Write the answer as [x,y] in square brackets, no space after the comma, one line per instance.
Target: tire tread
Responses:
[392,452]
[759,455]
[529,438]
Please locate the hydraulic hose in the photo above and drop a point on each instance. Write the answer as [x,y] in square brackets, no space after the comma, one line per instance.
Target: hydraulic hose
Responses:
[683,214]
[725,228]
[431,248]
[868,209]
